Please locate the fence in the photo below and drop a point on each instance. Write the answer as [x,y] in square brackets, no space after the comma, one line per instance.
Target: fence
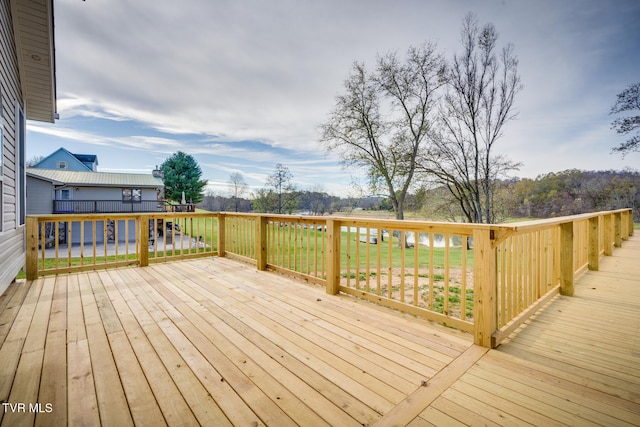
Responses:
[484,279]
[106,206]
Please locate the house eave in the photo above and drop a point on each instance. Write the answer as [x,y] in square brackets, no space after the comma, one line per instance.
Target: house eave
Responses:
[35,46]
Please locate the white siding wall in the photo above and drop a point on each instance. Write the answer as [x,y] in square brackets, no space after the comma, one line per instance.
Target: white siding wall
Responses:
[39,196]
[12,235]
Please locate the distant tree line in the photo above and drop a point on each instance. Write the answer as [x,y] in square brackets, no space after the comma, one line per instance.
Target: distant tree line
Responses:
[299,201]
[569,192]
[573,192]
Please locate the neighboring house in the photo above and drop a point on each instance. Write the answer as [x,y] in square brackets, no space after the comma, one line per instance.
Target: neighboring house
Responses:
[64,160]
[55,191]
[27,82]
[64,191]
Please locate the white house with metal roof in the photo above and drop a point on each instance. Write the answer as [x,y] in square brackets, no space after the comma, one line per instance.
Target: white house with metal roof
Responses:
[65,191]
[53,191]
[27,77]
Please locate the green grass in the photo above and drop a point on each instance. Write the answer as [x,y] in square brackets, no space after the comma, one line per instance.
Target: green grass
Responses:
[454,300]
[298,237]
[207,227]
[455,255]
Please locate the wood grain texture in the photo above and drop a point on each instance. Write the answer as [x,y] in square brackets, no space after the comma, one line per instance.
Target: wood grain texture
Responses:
[212,341]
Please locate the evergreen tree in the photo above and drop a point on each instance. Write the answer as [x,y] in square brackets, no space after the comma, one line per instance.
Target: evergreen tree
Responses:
[182,173]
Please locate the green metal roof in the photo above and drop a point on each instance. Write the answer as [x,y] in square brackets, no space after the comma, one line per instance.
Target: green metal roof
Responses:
[95,179]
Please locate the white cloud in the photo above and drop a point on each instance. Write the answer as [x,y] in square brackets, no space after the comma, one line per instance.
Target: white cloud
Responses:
[206,76]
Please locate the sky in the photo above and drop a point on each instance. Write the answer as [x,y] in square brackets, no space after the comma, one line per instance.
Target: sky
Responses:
[243,85]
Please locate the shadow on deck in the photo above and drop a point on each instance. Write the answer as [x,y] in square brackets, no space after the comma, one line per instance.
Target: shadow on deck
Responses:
[214,342]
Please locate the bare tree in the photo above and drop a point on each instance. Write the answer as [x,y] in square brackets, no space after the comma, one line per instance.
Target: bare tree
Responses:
[34,160]
[237,187]
[382,121]
[482,84]
[628,100]
[280,180]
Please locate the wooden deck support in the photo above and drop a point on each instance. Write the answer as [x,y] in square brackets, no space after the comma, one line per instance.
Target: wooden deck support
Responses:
[608,243]
[618,229]
[333,256]
[261,243]
[221,233]
[566,259]
[32,248]
[484,286]
[594,243]
[144,242]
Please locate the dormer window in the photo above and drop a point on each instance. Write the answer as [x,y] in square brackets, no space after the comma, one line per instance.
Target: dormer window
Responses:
[61,164]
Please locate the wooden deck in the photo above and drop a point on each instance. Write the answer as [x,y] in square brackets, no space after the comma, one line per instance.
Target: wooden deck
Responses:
[214,342]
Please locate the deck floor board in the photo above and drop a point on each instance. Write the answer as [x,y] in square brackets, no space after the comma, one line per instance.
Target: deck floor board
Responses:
[212,341]
[575,362]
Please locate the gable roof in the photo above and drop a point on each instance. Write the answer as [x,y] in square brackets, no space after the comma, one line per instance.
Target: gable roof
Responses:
[80,159]
[34,38]
[95,179]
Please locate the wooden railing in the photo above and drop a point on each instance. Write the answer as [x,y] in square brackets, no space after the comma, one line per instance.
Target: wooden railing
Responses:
[484,279]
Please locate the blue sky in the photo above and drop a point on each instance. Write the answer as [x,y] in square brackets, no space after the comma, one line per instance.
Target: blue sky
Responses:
[243,85]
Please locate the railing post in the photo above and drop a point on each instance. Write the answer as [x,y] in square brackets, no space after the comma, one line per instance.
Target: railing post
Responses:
[594,243]
[617,220]
[144,240]
[261,243]
[566,259]
[221,236]
[625,225]
[333,256]
[608,250]
[32,248]
[630,225]
[484,288]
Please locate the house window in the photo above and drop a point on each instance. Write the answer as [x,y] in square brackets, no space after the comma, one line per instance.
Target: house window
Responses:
[65,194]
[60,164]
[131,195]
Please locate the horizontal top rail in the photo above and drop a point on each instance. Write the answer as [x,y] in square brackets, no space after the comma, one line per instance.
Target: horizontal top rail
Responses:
[120,215]
[549,222]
